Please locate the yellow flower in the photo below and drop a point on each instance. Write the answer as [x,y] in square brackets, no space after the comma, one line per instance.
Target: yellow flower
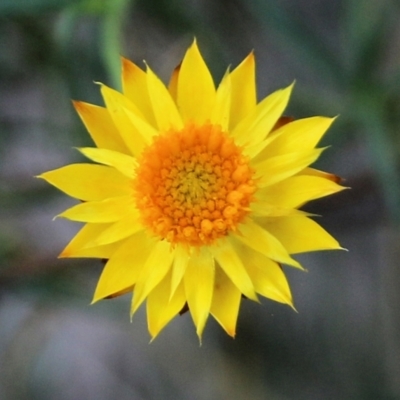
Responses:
[194,200]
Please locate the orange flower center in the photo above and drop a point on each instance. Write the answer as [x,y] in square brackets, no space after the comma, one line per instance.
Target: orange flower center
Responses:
[193,186]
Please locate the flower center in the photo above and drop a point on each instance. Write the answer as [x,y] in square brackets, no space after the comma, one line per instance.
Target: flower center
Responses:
[193,186]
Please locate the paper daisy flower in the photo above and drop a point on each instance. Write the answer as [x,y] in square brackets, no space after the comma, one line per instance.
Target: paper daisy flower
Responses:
[194,193]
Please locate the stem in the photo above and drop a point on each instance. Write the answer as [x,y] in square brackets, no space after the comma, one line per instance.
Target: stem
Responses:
[111,39]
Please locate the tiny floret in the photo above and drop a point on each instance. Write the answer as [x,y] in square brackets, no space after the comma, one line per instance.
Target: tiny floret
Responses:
[193,195]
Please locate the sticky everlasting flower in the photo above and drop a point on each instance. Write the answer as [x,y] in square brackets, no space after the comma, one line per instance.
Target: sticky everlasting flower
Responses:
[195,192]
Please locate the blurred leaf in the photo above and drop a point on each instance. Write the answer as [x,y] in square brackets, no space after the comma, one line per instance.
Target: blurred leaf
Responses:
[98,57]
[366,26]
[101,7]
[18,7]
[369,113]
[111,49]
[299,37]
[171,13]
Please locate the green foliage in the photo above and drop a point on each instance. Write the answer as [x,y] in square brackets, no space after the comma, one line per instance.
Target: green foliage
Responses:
[355,74]
[29,7]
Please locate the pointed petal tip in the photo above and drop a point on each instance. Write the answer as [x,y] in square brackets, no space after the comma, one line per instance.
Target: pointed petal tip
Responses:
[289,89]
[43,176]
[137,302]
[337,246]
[291,305]
[231,333]
[250,58]
[96,299]
[125,61]
[296,264]
[63,254]
[128,67]
[78,105]
[153,333]
[131,317]
[254,298]
[194,46]
[200,325]
[135,306]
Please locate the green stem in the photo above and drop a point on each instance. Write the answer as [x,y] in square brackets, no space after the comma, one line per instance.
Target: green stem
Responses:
[111,40]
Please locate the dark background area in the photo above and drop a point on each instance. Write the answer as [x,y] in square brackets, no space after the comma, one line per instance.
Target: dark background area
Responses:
[344,342]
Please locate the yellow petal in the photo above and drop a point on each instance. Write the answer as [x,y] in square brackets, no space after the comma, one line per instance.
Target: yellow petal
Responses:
[221,110]
[232,265]
[196,90]
[297,190]
[300,234]
[179,267]
[173,83]
[243,98]
[146,130]
[88,182]
[162,307]
[128,289]
[121,162]
[225,302]
[321,174]
[118,105]
[165,110]
[102,252]
[75,247]
[254,128]
[134,85]
[155,269]
[108,210]
[118,231]
[123,268]
[267,276]
[259,239]
[300,135]
[261,208]
[199,286]
[100,126]
[276,169]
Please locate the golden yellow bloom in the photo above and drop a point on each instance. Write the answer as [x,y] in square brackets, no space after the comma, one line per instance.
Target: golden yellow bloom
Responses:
[194,200]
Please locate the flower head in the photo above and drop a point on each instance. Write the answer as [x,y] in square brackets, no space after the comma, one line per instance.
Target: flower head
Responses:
[195,192]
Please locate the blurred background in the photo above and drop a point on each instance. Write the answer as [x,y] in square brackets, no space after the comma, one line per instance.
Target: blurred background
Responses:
[344,342]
